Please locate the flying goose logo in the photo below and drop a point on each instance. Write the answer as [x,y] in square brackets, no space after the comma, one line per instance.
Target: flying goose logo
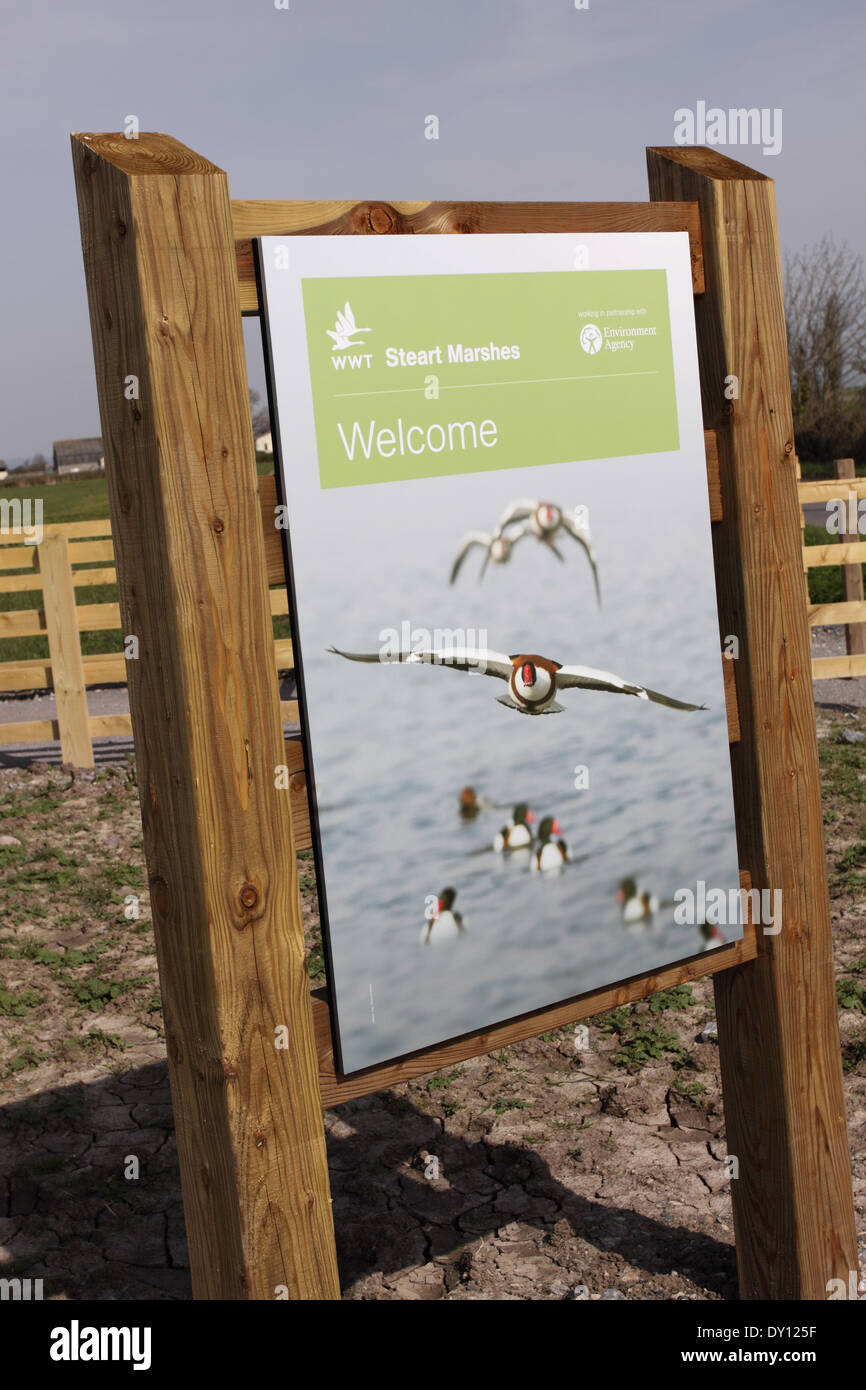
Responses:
[344,330]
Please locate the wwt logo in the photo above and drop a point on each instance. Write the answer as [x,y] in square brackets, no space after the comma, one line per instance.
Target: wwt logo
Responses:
[344,334]
[344,330]
[77,1343]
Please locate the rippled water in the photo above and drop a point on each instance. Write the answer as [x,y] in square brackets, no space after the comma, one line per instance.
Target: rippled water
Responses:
[394,745]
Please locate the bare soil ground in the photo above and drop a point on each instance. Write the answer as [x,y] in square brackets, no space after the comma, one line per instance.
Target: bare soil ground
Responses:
[563,1167]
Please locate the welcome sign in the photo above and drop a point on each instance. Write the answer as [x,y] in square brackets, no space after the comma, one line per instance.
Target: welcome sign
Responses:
[491,470]
[583,369]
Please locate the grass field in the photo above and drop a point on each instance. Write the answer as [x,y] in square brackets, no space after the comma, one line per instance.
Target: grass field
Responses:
[84,499]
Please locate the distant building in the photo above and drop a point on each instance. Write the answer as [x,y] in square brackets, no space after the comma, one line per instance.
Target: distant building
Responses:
[78,456]
[264,443]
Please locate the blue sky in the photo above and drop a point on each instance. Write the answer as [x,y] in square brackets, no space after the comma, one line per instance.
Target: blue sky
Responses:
[535,99]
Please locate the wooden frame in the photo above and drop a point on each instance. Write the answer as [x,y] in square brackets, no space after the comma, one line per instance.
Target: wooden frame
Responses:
[168,272]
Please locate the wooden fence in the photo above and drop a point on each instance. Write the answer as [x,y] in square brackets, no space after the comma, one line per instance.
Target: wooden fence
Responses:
[851,555]
[78,554]
[71,556]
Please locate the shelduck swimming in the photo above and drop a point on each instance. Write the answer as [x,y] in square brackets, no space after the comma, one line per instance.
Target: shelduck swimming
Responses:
[546,521]
[549,854]
[516,835]
[470,804]
[497,547]
[533,681]
[444,923]
[636,904]
[710,936]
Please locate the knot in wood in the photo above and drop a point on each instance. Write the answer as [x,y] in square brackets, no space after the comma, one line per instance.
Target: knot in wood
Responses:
[380,218]
[260,1139]
[159,895]
[249,896]
[219,525]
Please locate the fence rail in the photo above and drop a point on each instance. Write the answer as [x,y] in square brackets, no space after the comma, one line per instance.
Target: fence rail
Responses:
[70,556]
[850,553]
[79,554]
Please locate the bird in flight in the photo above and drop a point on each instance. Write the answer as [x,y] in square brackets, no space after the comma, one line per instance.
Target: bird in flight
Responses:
[497,547]
[533,681]
[546,521]
[345,329]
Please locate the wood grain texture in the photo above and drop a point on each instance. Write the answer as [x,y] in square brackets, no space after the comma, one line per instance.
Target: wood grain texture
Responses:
[110,726]
[81,617]
[152,155]
[36,674]
[159,262]
[19,558]
[837,667]
[294,757]
[64,648]
[72,530]
[732,709]
[25,675]
[778,1028]
[252,219]
[29,731]
[845,554]
[275,565]
[83,579]
[828,490]
[828,614]
[714,482]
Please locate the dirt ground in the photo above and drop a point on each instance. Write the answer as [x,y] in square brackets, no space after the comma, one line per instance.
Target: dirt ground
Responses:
[565,1167]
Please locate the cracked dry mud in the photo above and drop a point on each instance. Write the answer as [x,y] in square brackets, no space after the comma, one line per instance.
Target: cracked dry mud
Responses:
[597,1173]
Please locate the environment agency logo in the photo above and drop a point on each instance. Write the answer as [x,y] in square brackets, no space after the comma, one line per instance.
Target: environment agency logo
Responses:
[344,330]
[590,338]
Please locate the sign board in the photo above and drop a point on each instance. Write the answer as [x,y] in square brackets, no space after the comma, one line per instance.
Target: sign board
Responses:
[491,464]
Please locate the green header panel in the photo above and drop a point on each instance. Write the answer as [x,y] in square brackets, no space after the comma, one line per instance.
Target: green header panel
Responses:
[429,375]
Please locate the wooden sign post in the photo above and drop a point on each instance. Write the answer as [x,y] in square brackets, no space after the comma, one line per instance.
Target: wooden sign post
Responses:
[169,271]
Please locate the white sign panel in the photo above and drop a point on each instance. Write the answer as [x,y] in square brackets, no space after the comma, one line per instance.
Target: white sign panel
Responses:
[490,457]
